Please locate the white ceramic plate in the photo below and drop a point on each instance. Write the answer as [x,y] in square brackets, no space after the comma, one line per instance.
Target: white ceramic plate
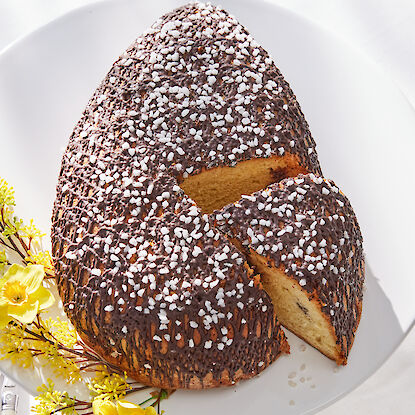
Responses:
[363,127]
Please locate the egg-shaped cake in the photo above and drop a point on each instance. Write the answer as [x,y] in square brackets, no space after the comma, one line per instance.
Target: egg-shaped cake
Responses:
[190,118]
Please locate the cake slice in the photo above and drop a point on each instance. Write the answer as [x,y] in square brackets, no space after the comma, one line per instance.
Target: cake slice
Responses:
[302,236]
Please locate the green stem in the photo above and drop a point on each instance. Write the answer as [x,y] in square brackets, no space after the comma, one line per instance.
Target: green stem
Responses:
[147,400]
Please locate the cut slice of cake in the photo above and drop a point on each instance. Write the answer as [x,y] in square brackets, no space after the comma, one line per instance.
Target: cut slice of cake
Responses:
[302,236]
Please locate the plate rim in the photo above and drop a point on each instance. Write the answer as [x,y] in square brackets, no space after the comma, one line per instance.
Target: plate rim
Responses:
[19,41]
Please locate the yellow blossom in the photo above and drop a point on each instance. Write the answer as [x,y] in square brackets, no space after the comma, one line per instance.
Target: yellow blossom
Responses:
[22,295]
[109,386]
[103,407]
[3,260]
[31,231]
[129,408]
[150,411]
[15,347]
[6,194]
[50,401]
[41,258]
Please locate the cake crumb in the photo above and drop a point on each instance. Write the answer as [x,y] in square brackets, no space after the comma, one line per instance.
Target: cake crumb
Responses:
[303,348]
[292,375]
[302,367]
[302,379]
[292,384]
[313,386]
[292,403]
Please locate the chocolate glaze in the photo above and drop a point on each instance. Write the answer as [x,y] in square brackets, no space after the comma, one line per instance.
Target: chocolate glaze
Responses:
[308,227]
[145,277]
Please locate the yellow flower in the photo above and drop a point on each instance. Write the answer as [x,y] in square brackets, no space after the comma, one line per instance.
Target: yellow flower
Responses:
[103,407]
[41,258]
[128,408]
[31,232]
[106,407]
[22,294]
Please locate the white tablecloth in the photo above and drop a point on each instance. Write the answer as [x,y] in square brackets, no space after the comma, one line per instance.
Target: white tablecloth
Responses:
[385,31]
